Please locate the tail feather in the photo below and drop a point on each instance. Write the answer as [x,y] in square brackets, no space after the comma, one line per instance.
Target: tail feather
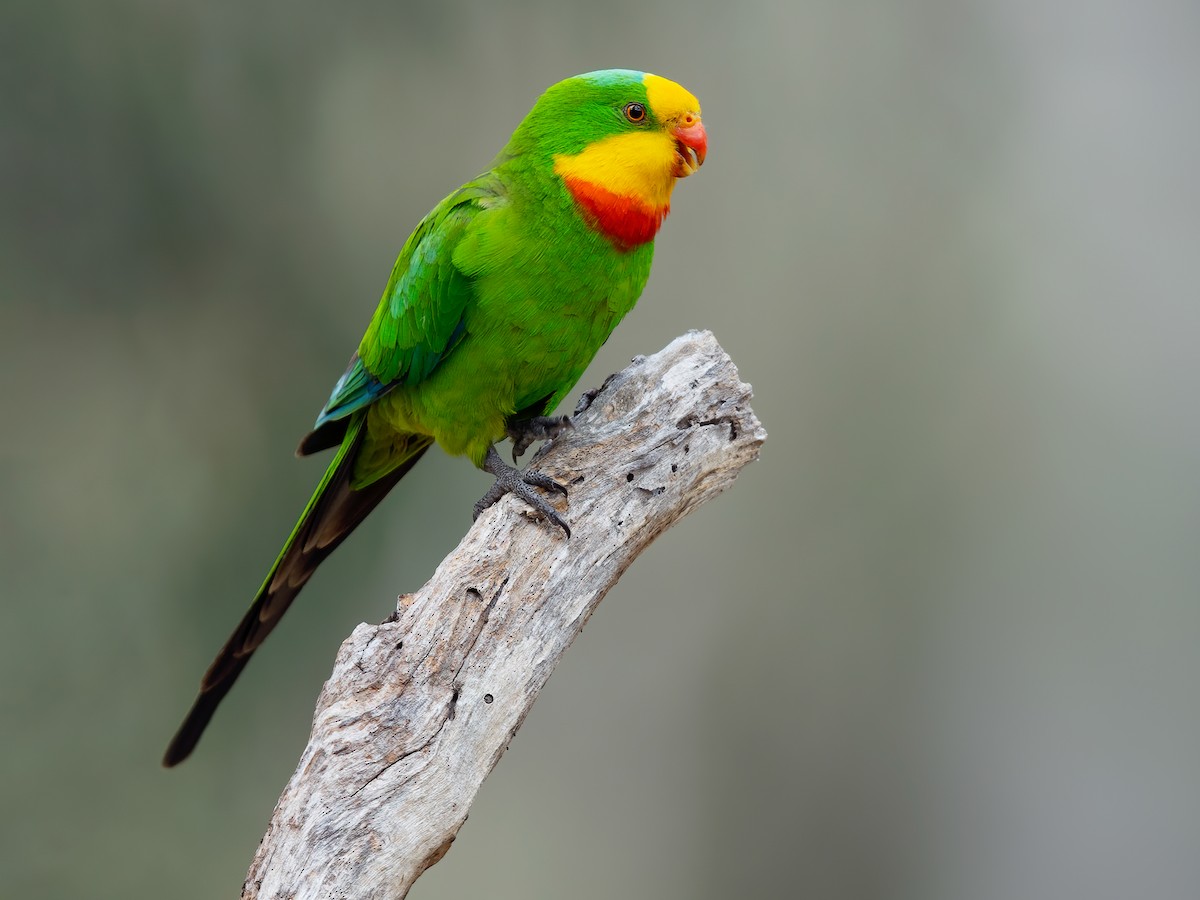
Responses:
[335,510]
[322,438]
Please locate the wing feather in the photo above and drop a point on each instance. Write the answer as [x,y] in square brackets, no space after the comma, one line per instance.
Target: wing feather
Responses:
[421,316]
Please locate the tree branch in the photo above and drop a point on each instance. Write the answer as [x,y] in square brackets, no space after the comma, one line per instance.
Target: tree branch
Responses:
[418,710]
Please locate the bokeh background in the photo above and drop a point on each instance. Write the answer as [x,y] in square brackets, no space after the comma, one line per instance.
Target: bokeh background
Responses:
[939,643]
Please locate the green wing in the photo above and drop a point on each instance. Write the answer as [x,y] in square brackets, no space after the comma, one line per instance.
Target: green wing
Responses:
[418,322]
[421,316]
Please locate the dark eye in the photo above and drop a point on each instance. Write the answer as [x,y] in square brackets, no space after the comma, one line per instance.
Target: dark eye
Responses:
[635,113]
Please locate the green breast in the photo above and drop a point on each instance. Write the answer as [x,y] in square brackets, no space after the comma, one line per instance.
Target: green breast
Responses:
[549,292]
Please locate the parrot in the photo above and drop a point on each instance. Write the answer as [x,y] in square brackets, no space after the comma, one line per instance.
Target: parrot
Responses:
[497,302]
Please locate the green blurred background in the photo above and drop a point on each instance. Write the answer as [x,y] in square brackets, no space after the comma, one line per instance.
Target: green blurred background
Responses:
[939,643]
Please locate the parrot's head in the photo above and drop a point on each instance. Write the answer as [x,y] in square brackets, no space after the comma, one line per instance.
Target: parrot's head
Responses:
[619,140]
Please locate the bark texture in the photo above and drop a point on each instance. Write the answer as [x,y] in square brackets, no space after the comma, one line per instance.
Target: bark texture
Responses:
[419,709]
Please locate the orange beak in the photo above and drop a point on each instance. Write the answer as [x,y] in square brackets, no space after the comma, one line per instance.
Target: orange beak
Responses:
[692,144]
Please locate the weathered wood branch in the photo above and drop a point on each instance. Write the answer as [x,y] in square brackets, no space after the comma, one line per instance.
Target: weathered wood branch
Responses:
[418,710]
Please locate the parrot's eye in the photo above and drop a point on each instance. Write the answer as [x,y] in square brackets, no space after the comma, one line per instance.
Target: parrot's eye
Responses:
[635,113]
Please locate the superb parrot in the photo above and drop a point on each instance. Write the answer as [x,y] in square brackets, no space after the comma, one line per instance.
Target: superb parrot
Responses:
[497,303]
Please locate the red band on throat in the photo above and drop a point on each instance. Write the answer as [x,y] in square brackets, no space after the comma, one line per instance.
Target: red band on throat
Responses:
[626,221]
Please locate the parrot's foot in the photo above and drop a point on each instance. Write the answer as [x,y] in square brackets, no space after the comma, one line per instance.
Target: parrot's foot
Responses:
[586,398]
[522,484]
[539,428]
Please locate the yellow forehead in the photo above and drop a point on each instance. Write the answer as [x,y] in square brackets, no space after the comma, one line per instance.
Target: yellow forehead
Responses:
[668,99]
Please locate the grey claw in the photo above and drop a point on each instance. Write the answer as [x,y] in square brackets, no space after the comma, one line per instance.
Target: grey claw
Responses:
[585,401]
[539,428]
[587,397]
[521,484]
[540,479]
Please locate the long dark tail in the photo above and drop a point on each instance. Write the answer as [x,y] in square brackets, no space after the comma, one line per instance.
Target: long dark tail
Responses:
[334,511]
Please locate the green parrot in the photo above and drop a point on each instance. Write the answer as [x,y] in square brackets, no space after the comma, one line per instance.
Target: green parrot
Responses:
[497,303]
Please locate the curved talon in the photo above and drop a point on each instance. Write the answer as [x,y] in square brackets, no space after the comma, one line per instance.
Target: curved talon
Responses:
[587,397]
[542,480]
[521,484]
[585,400]
[539,428]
